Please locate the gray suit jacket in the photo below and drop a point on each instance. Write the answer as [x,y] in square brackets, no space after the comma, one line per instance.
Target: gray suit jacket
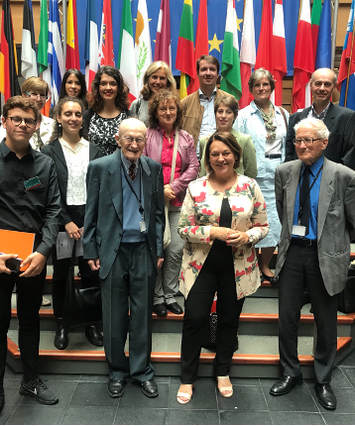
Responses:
[103,226]
[336,218]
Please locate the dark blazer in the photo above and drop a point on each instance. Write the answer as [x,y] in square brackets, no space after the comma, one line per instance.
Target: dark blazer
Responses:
[335,221]
[55,151]
[104,210]
[341,124]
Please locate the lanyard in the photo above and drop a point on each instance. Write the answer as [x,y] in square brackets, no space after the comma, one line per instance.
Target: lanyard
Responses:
[139,199]
[309,190]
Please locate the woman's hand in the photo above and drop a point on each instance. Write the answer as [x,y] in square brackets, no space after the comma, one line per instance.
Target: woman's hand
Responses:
[237,239]
[72,230]
[169,194]
[220,233]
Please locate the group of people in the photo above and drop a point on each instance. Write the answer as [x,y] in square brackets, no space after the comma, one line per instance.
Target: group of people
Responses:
[174,196]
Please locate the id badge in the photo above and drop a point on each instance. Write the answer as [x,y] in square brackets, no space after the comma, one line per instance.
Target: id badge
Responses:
[142,226]
[299,230]
[32,183]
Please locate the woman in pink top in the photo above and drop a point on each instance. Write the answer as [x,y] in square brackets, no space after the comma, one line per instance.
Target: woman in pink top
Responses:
[164,128]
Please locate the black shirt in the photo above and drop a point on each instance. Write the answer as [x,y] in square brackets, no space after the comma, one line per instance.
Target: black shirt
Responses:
[29,196]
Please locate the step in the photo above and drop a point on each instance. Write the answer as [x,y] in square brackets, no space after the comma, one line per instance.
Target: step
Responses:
[257,356]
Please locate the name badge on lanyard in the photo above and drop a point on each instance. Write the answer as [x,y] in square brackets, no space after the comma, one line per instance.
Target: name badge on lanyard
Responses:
[299,230]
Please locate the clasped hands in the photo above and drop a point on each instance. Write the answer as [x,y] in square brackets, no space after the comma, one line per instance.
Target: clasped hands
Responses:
[230,236]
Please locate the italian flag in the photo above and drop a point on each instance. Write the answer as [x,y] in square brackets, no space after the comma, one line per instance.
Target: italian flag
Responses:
[231,81]
[185,57]
[127,58]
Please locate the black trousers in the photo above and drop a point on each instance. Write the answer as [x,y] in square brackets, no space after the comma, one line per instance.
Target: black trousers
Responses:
[29,298]
[301,271]
[217,274]
[129,289]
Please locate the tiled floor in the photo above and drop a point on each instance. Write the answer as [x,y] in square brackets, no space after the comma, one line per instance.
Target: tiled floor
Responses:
[84,400]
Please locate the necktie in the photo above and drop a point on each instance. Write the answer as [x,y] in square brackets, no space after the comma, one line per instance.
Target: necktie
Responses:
[132,171]
[304,199]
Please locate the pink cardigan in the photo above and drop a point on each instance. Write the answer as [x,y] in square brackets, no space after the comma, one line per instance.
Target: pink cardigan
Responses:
[186,149]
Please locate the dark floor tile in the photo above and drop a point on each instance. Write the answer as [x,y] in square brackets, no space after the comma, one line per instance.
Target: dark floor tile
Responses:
[204,396]
[244,381]
[62,377]
[350,374]
[192,417]
[6,413]
[349,360]
[345,401]
[140,416]
[89,416]
[299,399]
[237,417]
[35,415]
[133,397]
[245,398]
[92,394]
[63,390]
[12,396]
[338,419]
[296,418]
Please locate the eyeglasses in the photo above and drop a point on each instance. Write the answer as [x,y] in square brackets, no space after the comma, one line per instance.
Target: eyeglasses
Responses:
[130,139]
[29,122]
[35,95]
[306,141]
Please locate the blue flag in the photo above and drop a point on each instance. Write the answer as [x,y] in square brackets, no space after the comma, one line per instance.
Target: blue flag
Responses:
[324,46]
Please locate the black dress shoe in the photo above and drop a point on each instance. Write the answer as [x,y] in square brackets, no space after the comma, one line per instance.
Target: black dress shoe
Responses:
[285,385]
[61,340]
[160,309]
[116,387]
[175,308]
[326,396]
[94,335]
[150,388]
[2,398]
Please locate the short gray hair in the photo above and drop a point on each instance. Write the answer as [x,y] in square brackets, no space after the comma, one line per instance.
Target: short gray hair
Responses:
[257,75]
[313,123]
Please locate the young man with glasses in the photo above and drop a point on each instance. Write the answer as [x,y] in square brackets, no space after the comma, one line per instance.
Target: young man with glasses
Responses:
[29,202]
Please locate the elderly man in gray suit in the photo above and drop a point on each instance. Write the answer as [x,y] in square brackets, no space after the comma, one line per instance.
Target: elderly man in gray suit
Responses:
[123,240]
[316,205]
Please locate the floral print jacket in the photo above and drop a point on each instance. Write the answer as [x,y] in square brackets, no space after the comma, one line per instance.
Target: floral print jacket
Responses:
[201,210]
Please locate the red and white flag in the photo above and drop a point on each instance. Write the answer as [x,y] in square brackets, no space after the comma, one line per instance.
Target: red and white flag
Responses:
[106,38]
[162,51]
[278,51]
[303,61]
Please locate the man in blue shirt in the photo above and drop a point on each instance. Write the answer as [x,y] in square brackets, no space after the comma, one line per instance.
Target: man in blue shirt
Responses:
[315,201]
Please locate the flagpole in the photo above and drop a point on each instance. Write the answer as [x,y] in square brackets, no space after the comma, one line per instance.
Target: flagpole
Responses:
[334,35]
[349,66]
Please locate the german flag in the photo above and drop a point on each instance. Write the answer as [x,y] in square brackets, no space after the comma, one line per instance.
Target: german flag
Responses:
[9,85]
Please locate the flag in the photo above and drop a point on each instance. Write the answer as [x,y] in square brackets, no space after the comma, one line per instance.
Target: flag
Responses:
[247,52]
[346,76]
[142,42]
[42,54]
[93,30]
[56,68]
[201,45]
[315,22]
[278,51]
[126,57]
[72,53]
[9,85]
[162,51]
[324,46]
[303,60]
[230,71]
[185,55]
[107,56]
[263,55]
[28,52]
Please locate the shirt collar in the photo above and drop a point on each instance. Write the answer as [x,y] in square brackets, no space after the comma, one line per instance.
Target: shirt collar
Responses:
[78,146]
[203,96]
[314,168]
[5,151]
[127,163]
[322,114]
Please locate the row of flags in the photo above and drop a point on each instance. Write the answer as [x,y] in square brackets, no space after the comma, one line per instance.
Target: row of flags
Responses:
[312,46]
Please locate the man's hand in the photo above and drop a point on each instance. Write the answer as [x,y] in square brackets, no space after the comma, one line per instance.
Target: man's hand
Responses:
[94,264]
[36,262]
[72,230]
[3,259]
[160,262]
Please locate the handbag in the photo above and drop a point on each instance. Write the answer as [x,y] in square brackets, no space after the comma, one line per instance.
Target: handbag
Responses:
[82,305]
[167,231]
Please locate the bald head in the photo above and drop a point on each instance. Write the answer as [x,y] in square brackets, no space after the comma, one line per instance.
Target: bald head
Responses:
[132,124]
[324,72]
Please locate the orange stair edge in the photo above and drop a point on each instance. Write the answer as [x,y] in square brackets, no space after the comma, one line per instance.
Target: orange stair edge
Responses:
[169,356]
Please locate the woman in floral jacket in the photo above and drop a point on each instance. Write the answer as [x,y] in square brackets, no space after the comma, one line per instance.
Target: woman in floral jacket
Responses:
[223,216]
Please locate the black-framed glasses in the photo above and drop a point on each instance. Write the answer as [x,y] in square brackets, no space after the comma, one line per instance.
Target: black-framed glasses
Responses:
[130,139]
[306,141]
[29,122]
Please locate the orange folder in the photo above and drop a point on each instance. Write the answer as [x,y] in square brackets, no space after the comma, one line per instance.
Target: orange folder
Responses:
[20,243]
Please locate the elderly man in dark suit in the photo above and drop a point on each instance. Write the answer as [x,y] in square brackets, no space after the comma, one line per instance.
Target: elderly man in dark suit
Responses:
[340,121]
[123,240]
[315,200]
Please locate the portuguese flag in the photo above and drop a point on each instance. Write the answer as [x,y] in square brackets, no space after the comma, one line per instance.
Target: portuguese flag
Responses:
[185,58]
